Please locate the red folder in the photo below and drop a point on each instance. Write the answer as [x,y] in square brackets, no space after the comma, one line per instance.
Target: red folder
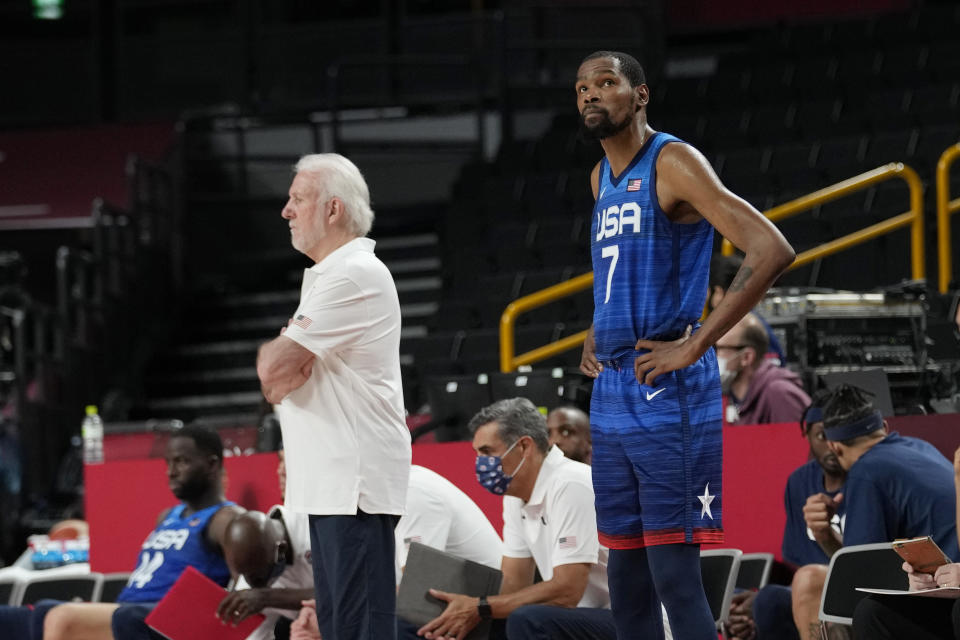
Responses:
[189,611]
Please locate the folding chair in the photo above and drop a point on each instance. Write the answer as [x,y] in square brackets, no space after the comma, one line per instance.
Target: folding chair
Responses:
[85,587]
[754,570]
[111,586]
[8,588]
[875,566]
[718,570]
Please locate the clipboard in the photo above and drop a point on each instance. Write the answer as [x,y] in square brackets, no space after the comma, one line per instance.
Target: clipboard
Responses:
[923,554]
[189,611]
[429,568]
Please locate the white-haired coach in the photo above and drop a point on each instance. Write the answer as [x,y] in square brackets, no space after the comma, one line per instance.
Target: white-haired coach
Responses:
[334,376]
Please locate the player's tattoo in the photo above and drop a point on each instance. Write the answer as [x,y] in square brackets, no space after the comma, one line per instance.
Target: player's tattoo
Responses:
[740,280]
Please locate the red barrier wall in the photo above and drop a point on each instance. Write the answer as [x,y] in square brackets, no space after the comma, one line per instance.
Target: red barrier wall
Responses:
[124,497]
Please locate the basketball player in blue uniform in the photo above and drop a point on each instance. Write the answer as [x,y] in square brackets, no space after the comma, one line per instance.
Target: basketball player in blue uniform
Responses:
[189,534]
[655,413]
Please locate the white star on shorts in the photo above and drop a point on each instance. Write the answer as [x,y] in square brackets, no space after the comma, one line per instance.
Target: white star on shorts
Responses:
[705,500]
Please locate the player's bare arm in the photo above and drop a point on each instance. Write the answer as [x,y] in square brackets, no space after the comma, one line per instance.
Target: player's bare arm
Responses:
[283,366]
[688,189]
[589,364]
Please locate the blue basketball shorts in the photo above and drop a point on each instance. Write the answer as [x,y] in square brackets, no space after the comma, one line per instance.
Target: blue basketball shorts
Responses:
[657,455]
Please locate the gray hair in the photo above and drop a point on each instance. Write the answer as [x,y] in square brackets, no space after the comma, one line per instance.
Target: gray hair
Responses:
[515,418]
[342,179]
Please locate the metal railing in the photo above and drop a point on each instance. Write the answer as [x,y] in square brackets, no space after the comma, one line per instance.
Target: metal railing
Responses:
[509,361]
[945,208]
[913,218]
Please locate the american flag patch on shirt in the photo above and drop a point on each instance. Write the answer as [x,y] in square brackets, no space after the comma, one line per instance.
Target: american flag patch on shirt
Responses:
[302,321]
[568,542]
[634,184]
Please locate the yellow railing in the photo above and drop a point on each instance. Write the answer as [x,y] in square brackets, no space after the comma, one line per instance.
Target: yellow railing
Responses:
[913,217]
[509,361]
[945,208]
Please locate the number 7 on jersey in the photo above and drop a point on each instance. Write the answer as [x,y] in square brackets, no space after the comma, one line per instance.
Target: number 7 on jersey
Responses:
[612,251]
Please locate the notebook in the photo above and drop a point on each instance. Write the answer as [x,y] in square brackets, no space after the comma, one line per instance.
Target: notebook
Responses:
[189,611]
[429,568]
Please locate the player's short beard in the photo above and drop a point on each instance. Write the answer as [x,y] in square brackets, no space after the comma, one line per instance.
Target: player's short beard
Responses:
[605,129]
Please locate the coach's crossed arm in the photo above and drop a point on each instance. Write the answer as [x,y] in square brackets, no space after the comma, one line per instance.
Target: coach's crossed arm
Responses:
[283,366]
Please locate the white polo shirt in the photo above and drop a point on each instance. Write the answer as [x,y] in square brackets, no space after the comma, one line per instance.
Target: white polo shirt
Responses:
[442,516]
[559,525]
[346,442]
[298,575]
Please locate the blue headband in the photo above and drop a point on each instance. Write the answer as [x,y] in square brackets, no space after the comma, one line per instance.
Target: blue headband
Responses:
[814,414]
[861,427]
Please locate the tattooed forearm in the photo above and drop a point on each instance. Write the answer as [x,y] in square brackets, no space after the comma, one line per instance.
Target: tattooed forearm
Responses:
[740,280]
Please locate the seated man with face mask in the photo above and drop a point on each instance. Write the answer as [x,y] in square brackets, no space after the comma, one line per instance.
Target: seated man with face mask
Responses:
[757,390]
[549,524]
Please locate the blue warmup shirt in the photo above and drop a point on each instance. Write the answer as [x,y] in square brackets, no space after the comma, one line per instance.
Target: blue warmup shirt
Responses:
[901,488]
[177,543]
[650,274]
[799,547]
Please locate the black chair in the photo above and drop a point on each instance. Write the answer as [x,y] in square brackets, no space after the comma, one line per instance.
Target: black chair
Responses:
[875,566]
[111,586]
[7,589]
[718,570]
[754,570]
[542,388]
[454,400]
[85,587]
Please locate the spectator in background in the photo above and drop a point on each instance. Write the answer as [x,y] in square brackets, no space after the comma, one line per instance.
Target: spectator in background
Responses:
[896,487]
[766,614]
[723,269]
[758,391]
[569,429]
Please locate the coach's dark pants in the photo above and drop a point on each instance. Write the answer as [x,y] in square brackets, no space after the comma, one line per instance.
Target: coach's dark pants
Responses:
[353,575]
[128,622]
[542,622]
[906,617]
[25,623]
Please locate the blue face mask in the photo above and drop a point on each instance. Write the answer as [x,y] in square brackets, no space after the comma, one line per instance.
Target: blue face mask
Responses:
[490,473]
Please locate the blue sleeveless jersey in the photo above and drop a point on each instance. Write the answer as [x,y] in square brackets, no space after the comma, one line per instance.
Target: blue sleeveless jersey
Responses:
[650,274]
[176,543]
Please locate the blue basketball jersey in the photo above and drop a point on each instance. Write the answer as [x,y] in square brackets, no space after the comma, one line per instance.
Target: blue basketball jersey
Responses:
[650,274]
[176,543]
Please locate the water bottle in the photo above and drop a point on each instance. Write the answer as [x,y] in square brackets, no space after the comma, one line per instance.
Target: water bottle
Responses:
[92,432]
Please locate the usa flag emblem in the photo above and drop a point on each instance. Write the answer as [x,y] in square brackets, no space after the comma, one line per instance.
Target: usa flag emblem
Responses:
[568,542]
[634,184]
[302,321]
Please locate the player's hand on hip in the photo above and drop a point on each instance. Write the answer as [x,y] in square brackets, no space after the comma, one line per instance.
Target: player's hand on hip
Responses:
[589,364]
[662,357]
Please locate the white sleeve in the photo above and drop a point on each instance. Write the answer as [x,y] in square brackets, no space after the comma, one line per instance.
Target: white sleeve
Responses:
[426,521]
[572,506]
[331,317]
[265,630]
[514,544]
